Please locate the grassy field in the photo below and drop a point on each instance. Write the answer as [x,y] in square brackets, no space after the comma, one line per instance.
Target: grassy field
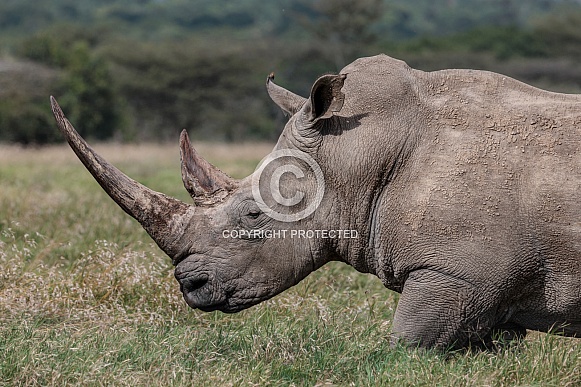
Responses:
[86,298]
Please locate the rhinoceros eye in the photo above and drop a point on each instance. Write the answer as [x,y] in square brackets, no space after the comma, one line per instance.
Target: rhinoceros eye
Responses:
[253,214]
[250,214]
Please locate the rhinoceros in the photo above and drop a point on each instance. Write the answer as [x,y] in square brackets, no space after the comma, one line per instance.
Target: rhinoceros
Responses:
[459,189]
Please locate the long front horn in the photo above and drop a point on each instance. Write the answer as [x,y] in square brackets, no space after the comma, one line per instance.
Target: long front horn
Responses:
[163,217]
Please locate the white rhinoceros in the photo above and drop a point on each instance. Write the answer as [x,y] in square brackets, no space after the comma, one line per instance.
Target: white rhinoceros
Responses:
[459,189]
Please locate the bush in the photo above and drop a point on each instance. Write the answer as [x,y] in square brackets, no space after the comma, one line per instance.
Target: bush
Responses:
[89,96]
[27,122]
[561,33]
[86,91]
[214,93]
[25,115]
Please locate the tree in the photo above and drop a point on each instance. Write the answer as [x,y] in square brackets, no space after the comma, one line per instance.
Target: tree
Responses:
[88,94]
[345,26]
[86,90]
[561,33]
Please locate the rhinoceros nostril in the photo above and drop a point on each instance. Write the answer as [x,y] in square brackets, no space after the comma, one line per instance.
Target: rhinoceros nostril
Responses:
[193,283]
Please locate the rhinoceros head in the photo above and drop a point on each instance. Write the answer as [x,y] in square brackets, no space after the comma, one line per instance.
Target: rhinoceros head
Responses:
[241,241]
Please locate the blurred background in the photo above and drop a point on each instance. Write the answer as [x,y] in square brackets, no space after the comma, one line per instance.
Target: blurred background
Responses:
[141,70]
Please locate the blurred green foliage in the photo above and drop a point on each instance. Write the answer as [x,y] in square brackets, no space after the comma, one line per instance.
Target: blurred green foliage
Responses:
[31,120]
[145,69]
[502,42]
[25,116]
[87,90]
[216,90]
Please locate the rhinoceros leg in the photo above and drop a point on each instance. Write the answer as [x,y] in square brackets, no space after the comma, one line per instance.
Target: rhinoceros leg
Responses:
[439,311]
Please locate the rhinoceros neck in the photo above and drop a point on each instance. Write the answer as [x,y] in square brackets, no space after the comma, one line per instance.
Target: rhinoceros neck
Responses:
[366,203]
[366,162]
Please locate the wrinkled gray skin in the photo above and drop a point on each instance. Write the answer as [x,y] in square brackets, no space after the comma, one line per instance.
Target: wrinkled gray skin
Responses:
[464,188]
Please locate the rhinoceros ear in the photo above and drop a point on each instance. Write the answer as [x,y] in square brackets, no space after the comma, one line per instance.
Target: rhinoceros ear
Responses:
[326,97]
[289,102]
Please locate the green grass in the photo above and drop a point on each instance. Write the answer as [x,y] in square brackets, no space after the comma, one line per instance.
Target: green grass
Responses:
[87,298]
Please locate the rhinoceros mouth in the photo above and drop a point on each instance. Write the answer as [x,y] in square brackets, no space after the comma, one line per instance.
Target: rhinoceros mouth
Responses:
[200,291]
[203,288]
[198,300]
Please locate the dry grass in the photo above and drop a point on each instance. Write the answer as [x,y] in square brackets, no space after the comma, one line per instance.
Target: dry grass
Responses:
[236,160]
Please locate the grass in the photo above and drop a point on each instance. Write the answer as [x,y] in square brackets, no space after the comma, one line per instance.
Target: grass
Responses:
[86,298]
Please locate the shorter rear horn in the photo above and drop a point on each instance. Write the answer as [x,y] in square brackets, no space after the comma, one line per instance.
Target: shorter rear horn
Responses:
[205,183]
